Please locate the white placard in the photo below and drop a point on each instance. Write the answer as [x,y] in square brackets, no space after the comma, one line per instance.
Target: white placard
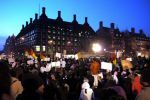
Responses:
[106,65]
[63,64]
[129,59]
[53,64]
[58,64]
[58,55]
[48,67]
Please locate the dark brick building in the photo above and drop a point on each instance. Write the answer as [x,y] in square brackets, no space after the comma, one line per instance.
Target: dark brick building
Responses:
[111,38]
[49,36]
[9,47]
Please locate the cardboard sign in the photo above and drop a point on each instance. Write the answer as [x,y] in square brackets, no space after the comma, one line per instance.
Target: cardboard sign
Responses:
[126,64]
[58,55]
[53,64]
[107,66]
[63,64]
[48,67]
[129,59]
[58,64]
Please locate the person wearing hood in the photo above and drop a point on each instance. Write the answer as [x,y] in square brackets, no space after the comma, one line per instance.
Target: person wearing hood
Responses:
[86,92]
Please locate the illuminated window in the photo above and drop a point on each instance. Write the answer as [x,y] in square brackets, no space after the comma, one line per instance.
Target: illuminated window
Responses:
[79,34]
[75,39]
[44,48]
[37,48]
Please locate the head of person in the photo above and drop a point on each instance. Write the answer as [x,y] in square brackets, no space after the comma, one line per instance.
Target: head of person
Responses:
[145,77]
[33,83]
[5,79]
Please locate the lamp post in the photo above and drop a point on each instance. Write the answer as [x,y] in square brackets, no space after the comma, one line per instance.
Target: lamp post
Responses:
[96,47]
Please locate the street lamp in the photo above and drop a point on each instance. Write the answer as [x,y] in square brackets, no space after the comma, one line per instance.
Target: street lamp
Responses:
[96,47]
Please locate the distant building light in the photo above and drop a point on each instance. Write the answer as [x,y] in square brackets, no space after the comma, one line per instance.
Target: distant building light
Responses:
[37,48]
[96,47]
[44,48]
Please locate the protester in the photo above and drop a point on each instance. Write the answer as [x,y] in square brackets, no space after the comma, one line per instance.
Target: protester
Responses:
[145,81]
[33,88]
[16,86]
[86,92]
[5,81]
[95,66]
[67,83]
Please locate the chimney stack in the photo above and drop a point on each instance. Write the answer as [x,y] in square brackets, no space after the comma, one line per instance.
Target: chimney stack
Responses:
[59,13]
[101,24]
[30,20]
[26,23]
[86,20]
[36,16]
[74,17]
[112,25]
[43,10]
[22,26]
[132,30]
[141,31]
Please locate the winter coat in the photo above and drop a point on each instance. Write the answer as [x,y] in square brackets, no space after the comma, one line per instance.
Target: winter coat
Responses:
[86,92]
[95,66]
[16,87]
[144,95]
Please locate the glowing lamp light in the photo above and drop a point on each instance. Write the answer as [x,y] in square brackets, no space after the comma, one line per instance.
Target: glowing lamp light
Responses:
[96,47]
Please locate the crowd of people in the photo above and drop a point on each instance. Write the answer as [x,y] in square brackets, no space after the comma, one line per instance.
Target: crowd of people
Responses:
[81,79]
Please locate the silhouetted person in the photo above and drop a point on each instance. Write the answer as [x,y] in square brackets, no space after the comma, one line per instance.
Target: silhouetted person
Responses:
[5,81]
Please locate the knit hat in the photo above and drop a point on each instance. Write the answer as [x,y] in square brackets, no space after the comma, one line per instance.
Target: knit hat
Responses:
[31,82]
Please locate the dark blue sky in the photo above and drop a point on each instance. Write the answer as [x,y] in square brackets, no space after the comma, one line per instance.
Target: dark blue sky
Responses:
[124,13]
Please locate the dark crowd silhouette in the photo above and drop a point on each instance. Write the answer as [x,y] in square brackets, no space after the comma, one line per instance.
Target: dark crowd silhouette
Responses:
[81,79]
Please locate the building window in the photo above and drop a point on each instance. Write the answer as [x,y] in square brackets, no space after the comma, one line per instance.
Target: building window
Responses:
[75,39]
[37,48]
[79,34]
[58,43]
[44,48]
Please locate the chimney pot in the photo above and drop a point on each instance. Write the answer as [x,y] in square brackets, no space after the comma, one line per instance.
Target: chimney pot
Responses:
[26,23]
[112,25]
[101,24]
[74,16]
[86,20]
[133,30]
[141,31]
[22,26]
[59,13]
[43,10]
[36,16]
[30,20]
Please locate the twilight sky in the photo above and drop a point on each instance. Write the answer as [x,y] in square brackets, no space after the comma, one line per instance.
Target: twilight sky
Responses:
[124,13]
